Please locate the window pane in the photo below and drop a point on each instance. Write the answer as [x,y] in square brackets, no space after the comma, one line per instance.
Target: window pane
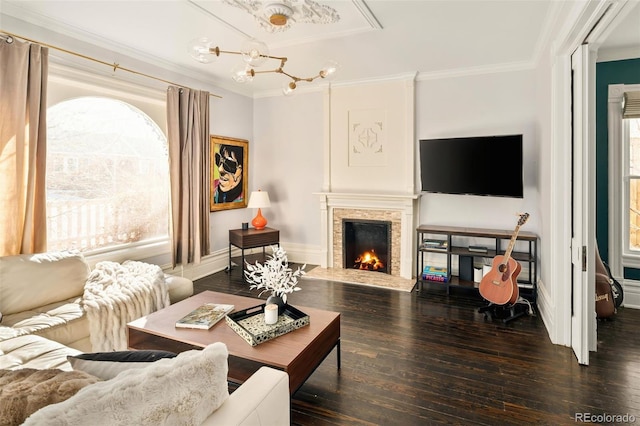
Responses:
[634,147]
[634,214]
[107,175]
[634,184]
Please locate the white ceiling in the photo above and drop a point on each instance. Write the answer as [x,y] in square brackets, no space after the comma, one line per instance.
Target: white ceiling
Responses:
[372,39]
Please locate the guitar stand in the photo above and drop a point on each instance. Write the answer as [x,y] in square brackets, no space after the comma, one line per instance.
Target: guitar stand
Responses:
[507,313]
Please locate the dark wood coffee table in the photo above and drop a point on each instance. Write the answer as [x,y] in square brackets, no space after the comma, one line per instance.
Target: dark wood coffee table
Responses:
[298,353]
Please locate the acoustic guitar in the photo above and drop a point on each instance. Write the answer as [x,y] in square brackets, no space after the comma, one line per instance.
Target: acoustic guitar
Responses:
[500,284]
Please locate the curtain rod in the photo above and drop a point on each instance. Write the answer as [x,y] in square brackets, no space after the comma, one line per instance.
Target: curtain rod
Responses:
[115,66]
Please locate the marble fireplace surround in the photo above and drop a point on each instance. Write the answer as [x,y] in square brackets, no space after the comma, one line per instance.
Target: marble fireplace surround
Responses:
[399,209]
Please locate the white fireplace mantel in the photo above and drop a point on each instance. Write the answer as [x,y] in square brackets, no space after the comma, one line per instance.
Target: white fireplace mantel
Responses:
[404,205]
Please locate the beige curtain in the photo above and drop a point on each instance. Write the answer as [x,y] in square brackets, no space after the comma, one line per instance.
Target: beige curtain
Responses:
[188,130]
[23,107]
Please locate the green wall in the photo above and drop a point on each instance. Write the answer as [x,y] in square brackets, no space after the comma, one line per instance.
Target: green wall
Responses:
[614,72]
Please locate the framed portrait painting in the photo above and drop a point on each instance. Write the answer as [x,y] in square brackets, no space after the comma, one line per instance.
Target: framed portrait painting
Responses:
[229,173]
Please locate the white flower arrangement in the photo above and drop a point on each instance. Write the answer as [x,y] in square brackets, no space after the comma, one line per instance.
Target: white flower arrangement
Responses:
[274,275]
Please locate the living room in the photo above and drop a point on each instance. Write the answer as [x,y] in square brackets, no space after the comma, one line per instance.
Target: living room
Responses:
[290,138]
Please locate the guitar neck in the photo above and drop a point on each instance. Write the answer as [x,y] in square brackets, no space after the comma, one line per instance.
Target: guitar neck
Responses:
[512,244]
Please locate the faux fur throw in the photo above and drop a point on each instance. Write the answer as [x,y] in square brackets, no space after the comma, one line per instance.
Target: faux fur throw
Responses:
[25,391]
[180,391]
[116,294]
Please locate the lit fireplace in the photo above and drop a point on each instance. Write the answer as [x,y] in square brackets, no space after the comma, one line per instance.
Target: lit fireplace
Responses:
[367,245]
[368,261]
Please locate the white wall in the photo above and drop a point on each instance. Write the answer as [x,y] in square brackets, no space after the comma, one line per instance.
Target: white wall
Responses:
[478,105]
[231,116]
[546,191]
[286,159]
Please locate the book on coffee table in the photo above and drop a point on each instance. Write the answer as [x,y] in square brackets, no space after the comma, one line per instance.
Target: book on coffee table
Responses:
[204,317]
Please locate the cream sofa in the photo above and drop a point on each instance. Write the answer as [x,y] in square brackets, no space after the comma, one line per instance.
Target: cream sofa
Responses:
[41,293]
[43,323]
[155,394]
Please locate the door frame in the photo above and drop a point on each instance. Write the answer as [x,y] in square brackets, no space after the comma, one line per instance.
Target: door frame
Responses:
[583,324]
[591,22]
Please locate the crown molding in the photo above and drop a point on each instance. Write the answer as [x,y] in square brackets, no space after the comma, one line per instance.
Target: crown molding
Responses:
[367,14]
[374,80]
[218,19]
[474,71]
[546,34]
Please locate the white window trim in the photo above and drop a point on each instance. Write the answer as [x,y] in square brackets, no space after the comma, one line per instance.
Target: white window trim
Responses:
[619,254]
[133,251]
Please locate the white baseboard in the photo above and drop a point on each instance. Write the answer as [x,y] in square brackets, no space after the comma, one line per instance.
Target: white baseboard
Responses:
[218,261]
[545,311]
[631,294]
[210,264]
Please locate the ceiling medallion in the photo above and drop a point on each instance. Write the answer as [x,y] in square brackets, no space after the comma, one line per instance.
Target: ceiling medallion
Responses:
[278,15]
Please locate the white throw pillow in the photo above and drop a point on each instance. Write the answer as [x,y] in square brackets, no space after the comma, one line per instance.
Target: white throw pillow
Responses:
[183,390]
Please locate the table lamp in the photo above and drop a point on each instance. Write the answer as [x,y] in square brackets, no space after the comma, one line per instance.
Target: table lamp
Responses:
[257,200]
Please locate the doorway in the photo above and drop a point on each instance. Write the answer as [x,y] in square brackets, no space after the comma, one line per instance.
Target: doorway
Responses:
[604,17]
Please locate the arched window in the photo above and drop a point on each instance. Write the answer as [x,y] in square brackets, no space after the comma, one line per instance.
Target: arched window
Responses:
[107,176]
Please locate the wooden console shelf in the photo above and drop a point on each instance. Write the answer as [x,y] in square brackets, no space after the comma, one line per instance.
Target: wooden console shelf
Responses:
[457,245]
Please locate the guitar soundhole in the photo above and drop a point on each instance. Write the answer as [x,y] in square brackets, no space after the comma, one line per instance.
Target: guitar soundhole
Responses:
[502,268]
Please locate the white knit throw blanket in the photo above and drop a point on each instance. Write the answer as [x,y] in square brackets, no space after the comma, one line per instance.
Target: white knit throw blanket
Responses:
[116,294]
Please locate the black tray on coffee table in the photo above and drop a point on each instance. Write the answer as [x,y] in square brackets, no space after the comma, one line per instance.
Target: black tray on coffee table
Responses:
[249,323]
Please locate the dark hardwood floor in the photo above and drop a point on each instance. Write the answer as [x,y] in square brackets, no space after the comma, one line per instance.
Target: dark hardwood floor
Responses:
[428,358]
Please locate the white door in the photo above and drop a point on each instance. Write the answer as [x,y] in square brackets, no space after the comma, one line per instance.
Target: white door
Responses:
[583,316]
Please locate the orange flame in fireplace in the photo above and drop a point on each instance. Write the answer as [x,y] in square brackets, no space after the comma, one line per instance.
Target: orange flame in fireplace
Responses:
[368,261]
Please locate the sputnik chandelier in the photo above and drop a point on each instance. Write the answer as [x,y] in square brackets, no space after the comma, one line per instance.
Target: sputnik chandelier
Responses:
[254,54]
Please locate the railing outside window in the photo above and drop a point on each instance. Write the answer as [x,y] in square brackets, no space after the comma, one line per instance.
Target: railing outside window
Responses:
[88,225]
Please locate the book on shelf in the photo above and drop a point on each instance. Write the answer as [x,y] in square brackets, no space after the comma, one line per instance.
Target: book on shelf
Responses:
[439,278]
[434,270]
[429,243]
[478,249]
[205,316]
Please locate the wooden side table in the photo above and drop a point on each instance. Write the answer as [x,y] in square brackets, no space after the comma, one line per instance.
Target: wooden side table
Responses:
[251,238]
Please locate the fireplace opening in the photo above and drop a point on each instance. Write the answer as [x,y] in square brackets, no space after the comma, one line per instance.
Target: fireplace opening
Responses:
[367,245]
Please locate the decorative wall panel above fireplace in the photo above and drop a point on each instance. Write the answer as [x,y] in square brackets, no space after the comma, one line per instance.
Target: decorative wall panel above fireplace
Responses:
[371,142]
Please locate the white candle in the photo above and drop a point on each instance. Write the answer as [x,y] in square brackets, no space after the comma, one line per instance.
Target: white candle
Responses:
[271,314]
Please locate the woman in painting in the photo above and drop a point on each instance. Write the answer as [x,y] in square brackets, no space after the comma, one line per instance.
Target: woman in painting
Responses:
[229,160]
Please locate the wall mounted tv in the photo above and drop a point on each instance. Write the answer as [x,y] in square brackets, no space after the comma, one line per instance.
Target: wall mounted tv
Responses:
[483,165]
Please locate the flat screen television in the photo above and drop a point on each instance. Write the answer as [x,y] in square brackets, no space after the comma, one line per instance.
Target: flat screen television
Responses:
[482,165]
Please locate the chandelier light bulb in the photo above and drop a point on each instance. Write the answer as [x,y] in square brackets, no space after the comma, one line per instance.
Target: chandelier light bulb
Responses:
[254,52]
[242,73]
[203,50]
[289,88]
[329,70]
